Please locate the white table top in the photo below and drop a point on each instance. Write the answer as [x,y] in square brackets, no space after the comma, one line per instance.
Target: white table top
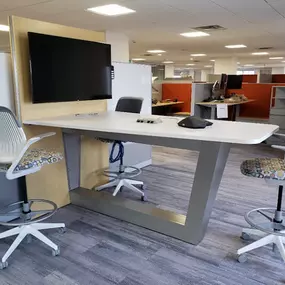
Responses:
[125,123]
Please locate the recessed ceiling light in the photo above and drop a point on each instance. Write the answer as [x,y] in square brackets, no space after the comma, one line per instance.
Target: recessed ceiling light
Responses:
[277,57]
[191,58]
[236,46]
[238,62]
[208,66]
[159,54]
[190,64]
[167,61]
[212,60]
[283,61]
[156,51]
[248,65]
[4,28]
[260,53]
[138,59]
[198,54]
[194,34]
[111,10]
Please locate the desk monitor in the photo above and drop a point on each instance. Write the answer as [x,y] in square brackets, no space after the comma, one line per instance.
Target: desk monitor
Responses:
[234,82]
[65,69]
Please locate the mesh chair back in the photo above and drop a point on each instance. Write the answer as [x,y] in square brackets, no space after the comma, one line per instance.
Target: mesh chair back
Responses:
[12,136]
[129,105]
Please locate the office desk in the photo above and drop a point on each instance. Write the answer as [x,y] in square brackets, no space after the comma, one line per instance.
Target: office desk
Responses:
[164,108]
[213,143]
[213,107]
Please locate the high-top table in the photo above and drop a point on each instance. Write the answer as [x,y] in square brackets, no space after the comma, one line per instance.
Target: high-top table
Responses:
[214,144]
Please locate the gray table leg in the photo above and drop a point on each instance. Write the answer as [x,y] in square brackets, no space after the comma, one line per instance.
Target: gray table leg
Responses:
[213,112]
[209,171]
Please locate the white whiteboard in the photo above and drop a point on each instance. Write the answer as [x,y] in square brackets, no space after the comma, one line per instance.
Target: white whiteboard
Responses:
[131,80]
[6,97]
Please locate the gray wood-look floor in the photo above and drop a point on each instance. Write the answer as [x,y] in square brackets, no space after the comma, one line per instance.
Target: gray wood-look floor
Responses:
[97,249]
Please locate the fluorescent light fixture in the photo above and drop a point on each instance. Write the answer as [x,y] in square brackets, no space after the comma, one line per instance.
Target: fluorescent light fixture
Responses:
[168,62]
[283,61]
[212,60]
[4,28]
[111,10]
[235,46]
[138,59]
[277,57]
[260,53]
[194,34]
[198,54]
[190,64]
[208,66]
[156,51]
[248,65]
[159,54]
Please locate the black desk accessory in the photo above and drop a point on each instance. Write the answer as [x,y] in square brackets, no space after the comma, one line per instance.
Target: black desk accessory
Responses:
[193,122]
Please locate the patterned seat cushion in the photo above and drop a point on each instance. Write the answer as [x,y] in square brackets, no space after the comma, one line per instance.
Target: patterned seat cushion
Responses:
[35,158]
[267,168]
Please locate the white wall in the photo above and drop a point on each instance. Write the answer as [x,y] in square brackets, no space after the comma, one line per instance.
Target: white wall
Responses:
[205,73]
[226,65]
[119,46]
[6,85]
[169,71]
[278,70]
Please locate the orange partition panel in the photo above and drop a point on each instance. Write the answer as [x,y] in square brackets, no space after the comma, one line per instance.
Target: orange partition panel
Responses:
[179,91]
[261,93]
[278,78]
[249,78]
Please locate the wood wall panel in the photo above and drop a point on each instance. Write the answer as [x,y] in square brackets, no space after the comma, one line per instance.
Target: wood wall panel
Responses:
[51,182]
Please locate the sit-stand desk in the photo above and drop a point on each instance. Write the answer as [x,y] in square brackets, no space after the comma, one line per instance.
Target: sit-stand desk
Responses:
[164,108]
[213,143]
[234,105]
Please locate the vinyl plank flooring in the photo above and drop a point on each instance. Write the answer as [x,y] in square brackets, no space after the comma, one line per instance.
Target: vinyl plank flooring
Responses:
[100,250]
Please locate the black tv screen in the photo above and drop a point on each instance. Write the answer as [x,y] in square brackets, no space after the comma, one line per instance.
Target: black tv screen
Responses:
[65,69]
[234,82]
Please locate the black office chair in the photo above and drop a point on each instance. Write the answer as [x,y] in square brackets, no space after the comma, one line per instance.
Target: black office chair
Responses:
[123,176]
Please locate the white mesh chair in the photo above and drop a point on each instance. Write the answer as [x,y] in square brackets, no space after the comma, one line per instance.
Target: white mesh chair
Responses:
[17,161]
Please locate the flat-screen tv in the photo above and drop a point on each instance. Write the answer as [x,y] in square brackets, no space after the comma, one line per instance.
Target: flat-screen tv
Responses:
[65,69]
[234,81]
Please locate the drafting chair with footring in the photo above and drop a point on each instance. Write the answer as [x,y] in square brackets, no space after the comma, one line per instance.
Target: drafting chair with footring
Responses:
[266,223]
[17,160]
[122,177]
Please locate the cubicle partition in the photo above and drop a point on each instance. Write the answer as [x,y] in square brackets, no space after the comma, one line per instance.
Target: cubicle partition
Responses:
[180,91]
[51,182]
[261,93]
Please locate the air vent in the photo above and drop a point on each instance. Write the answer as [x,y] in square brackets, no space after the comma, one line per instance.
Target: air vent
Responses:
[265,48]
[196,61]
[148,54]
[210,28]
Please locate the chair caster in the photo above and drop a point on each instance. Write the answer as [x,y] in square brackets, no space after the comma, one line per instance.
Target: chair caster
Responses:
[62,230]
[3,265]
[55,252]
[143,187]
[245,236]
[241,258]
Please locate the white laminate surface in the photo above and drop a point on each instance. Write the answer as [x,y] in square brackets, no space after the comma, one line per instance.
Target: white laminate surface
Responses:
[125,123]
